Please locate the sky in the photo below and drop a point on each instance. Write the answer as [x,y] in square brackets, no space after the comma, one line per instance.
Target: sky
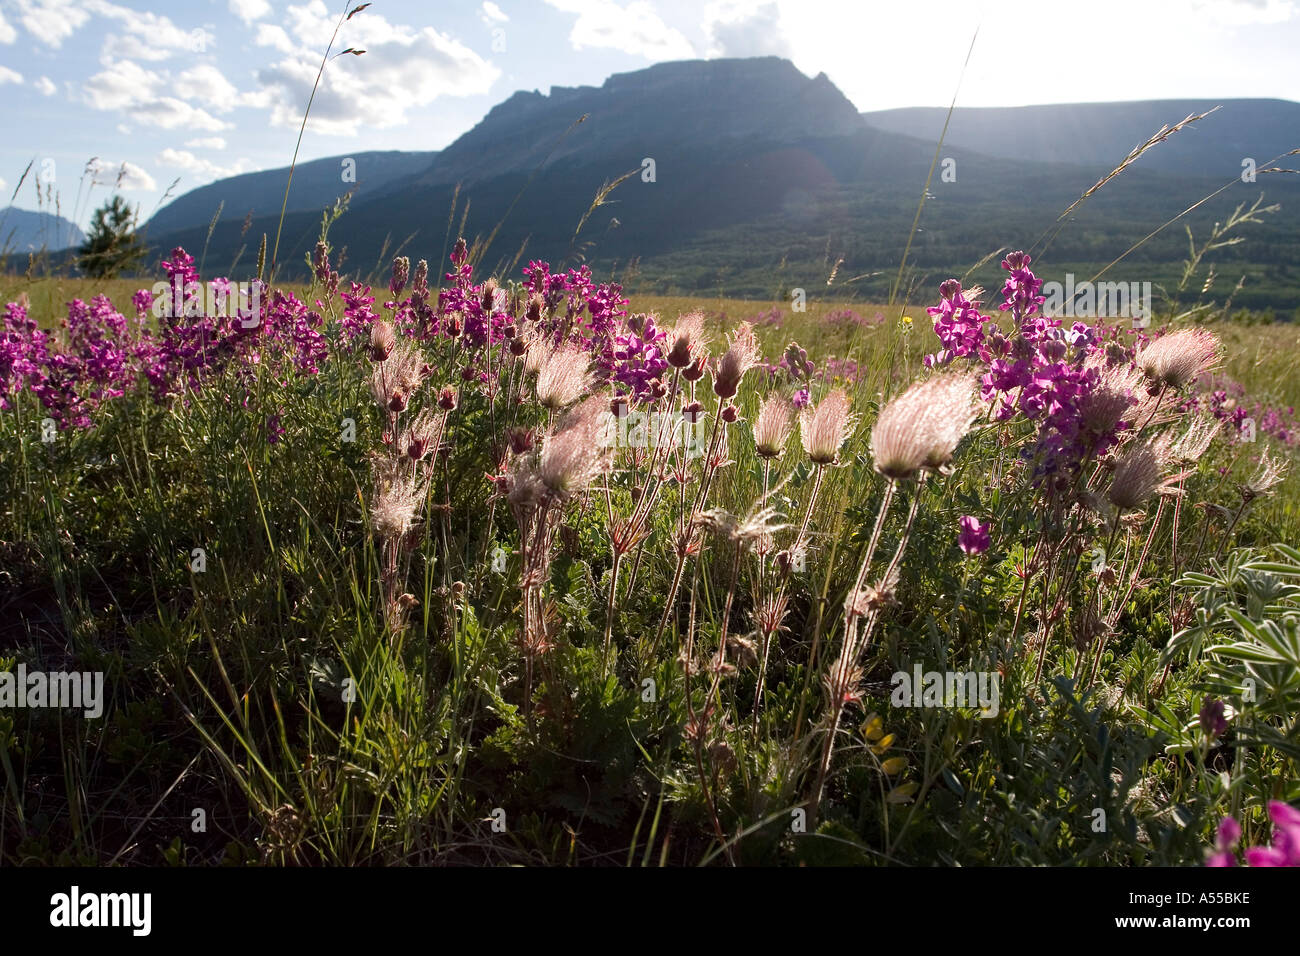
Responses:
[153,99]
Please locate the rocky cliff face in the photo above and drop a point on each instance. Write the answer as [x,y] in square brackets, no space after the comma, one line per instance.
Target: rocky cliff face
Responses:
[671,107]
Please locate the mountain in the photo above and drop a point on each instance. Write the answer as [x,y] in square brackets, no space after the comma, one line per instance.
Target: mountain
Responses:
[708,102]
[316,184]
[1101,134]
[22,230]
[762,180]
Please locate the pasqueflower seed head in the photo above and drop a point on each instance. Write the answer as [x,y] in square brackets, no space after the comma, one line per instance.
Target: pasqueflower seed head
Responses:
[742,354]
[824,427]
[922,427]
[773,426]
[1139,472]
[1178,358]
[563,378]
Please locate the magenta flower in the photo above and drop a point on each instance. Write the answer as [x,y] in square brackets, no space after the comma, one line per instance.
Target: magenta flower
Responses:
[1226,838]
[974,537]
[1284,850]
[274,430]
[1213,717]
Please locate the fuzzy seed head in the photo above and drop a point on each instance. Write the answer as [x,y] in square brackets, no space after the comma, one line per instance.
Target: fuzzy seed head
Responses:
[742,354]
[1139,473]
[773,426]
[922,427]
[824,427]
[687,339]
[573,455]
[1178,358]
[563,378]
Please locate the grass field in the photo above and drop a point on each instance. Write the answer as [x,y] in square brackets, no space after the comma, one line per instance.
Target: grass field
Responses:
[518,647]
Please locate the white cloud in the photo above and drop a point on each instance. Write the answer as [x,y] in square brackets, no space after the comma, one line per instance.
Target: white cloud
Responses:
[128,86]
[9,76]
[46,86]
[635,29]
[51,21]
[171,113]
[3,185]
[249,10]
[270,35]
[491,13]
[122,85]
[148,36]
[206,142]
[745,28]
[203,169]
[124,175]
[206,84]
[402,69]
[7,33]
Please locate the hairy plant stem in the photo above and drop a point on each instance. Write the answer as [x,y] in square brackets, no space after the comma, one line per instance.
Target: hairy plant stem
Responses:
[686,525]
[853,644]
[769,633]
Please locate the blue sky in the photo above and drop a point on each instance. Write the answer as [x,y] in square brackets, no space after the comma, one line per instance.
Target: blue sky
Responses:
[203,89]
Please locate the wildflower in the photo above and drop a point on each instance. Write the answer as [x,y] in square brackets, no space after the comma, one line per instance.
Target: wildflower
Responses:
[824,428]
[535,306]
[393,380]
[396,504]
[1213,717]
[447,398]
[420,434]
[974,537]
[1105,408]
[796,360]
[274,430]
[1176,359]
[488,296]
[1196,441]
[563,378]
[572,456]
[521,439]
[685,343]
[1226,837]
[382,341]
[401,271]
[539,352]
[957,322]
[1285,849]
[922,427]
[772,427]
[742,354]
[801,398]
[1139,473]
[1268,475]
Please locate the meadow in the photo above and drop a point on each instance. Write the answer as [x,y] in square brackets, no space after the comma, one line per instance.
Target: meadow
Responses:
[409,574]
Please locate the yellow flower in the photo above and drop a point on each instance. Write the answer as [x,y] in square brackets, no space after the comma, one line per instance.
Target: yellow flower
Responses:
[906,323]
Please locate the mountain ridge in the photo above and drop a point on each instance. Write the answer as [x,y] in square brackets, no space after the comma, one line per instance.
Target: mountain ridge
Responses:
[763,178]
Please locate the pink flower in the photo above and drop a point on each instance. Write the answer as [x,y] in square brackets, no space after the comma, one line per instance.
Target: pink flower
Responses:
[974,537]
[1285,848]
[1228,834]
